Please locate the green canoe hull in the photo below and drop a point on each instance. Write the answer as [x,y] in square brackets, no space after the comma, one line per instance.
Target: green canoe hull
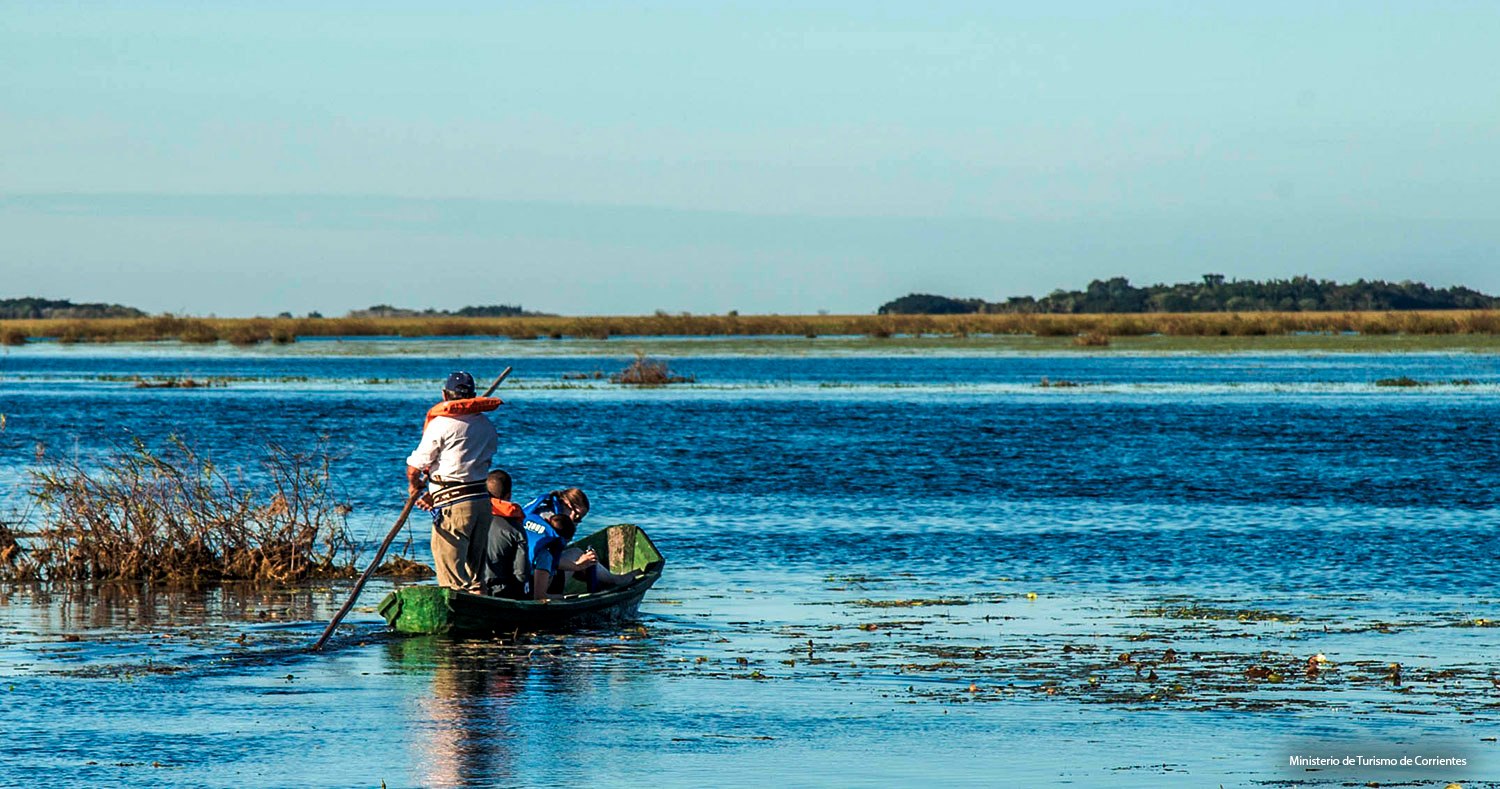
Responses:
[430,609]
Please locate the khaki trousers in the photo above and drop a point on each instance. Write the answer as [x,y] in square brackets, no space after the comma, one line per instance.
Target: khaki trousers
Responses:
[460,534]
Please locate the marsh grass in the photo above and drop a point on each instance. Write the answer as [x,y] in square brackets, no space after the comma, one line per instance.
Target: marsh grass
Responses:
[648,372]
[250,331]
[172,515]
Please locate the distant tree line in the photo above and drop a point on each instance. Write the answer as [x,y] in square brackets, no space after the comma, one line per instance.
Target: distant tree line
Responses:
[1213,294]
[489,311]
[29,308]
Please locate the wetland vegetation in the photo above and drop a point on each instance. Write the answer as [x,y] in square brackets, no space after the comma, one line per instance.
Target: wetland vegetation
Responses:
[1088,330]
[172,514]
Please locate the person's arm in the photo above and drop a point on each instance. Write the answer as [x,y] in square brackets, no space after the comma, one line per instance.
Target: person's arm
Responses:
[544,561]
[574,560]
[421,461]
[415,479]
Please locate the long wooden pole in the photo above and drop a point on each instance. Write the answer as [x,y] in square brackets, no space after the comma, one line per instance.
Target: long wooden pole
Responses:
[411,501]
[493,386]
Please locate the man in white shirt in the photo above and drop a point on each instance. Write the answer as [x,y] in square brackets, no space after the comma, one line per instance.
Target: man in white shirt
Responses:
[454,456]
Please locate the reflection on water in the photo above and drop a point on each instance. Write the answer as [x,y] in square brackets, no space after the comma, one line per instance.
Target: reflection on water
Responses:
[462,729]
[58,607]
[489,711]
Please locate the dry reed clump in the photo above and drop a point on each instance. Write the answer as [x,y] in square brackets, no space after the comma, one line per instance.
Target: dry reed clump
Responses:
[402,567]
[1429,323]
[1376,323]
[648,372]
[1053,327]
[172,515]
[198,331]
[14,565]
[1127,326]
[156,328]
[249,334]
[12,336]
[1480,323]
[1092,339]
[73,331]
[1186,326]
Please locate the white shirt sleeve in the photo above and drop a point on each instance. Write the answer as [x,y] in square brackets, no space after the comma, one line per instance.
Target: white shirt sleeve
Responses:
[425,456]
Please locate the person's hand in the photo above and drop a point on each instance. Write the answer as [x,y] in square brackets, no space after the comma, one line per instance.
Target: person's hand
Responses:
[424,502]
[587,560]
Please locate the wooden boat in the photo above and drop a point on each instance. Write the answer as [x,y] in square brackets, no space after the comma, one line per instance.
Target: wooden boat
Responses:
[621,549]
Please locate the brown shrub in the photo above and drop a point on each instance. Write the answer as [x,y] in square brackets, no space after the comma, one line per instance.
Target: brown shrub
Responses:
[648,372]
[173,515]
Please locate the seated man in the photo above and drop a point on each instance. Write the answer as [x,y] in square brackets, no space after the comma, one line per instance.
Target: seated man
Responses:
[504,570]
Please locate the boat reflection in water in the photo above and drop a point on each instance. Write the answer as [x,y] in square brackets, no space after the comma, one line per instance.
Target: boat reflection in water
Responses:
[495,710]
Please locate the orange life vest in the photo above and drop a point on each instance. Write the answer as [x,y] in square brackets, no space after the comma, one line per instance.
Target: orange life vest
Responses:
[505,509]
[464,407]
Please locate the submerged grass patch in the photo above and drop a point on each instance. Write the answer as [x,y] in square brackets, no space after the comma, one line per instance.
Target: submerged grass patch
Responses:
[1196,611]
[910,603]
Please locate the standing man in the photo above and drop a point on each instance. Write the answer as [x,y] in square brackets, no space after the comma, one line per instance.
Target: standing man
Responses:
[458,441]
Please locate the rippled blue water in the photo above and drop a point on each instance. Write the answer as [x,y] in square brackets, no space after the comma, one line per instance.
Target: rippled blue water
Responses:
[1260,479]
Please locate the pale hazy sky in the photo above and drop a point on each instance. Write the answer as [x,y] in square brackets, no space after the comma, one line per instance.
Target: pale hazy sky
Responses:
[762,156]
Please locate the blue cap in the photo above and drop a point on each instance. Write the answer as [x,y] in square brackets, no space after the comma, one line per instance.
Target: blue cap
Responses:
[459,383]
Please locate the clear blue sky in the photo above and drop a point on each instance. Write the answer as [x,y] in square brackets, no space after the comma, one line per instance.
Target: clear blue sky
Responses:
[705,156]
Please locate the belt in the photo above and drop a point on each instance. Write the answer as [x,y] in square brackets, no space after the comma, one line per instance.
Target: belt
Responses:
[454,492]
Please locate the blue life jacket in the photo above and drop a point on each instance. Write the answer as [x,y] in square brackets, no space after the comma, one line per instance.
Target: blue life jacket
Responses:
[544,546]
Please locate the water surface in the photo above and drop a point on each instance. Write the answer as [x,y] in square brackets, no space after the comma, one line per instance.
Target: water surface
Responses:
[879,566]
